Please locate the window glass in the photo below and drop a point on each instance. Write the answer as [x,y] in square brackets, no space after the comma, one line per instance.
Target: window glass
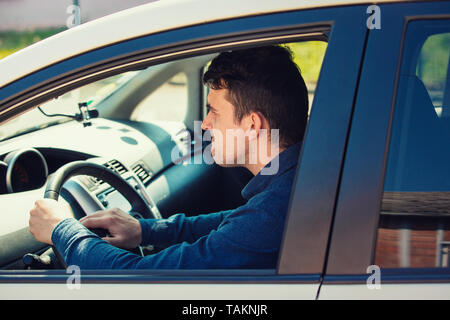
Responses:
[169,102]
[93,94]
[414,227]
[432,69]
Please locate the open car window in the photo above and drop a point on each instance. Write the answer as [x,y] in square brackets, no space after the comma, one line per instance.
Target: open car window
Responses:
[154,107]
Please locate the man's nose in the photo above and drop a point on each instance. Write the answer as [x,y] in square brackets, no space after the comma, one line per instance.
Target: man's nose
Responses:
[206,124]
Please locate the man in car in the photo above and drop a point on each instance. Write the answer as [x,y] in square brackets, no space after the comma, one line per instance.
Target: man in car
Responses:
[256,94]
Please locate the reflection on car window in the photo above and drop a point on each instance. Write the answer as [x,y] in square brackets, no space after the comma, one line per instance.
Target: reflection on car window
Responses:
[65,104]
[432,69]
[414,227]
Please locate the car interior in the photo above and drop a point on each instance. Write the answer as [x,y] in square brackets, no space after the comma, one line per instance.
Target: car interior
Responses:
[134,123]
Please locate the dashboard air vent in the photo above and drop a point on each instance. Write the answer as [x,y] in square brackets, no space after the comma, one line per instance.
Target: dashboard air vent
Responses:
[116,166]
[143,173]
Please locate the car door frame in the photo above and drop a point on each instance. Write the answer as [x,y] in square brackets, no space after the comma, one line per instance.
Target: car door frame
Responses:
[350,268]
[312,202]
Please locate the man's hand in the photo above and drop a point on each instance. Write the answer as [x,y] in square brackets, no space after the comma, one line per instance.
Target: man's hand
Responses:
[44,217]
[124,230]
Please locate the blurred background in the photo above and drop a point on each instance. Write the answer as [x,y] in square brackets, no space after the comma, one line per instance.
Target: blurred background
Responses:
[23,22]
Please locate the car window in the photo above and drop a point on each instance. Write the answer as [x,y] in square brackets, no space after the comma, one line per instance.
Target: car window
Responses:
[432,68]
[66,104]
[414,224]
[172,94]
[160,94]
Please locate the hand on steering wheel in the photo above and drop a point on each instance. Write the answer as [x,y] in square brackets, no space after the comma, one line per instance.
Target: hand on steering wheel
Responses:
[124,231]
[137,202]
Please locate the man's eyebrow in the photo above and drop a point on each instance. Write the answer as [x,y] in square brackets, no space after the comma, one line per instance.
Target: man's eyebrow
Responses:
[210,107]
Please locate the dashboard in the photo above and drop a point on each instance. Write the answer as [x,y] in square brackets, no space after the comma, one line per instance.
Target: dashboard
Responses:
[140,152]
[137,151]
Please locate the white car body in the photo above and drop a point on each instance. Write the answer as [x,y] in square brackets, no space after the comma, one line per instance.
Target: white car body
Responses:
[149,19]
[138,21]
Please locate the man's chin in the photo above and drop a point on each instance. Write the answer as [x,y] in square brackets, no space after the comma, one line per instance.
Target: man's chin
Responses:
[221,161]
[218,160]
[229,165]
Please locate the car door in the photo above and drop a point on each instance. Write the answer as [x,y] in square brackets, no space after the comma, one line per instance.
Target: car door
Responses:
[391,231]
[303,251]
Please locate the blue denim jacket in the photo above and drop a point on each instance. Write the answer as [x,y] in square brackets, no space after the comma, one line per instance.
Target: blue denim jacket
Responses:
[246,237]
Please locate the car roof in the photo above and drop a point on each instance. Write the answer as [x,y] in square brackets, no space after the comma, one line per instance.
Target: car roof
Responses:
[143,20]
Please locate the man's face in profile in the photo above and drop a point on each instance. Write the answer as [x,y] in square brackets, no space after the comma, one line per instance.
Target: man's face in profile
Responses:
[227,136]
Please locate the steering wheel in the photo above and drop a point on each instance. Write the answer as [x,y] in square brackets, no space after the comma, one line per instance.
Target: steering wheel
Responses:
[76,168]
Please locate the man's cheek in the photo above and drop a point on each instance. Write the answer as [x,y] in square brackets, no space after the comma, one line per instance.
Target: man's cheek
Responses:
[217,149]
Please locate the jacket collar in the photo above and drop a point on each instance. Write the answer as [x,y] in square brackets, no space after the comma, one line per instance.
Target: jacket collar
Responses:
[287,160]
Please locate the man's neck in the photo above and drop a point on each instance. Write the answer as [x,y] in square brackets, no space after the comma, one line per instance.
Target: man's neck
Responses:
[255,168]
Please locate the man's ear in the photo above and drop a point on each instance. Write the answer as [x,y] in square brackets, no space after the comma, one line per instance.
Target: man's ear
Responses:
[255,123]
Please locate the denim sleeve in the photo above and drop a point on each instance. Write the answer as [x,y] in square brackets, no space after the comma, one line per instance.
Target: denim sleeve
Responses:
[84,248]
[179,228]
[226,247]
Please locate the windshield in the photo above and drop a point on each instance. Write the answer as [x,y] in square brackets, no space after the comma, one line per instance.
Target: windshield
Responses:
[64,104]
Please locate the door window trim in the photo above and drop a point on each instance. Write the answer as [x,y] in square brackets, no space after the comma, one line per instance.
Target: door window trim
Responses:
[365,165]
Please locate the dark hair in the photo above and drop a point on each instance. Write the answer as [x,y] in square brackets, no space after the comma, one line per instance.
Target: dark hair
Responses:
[264,80]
